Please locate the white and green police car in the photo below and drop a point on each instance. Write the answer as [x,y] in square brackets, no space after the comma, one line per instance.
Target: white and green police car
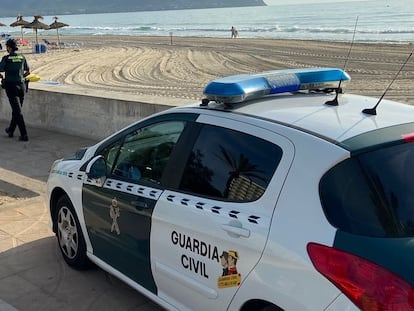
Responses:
[276,192]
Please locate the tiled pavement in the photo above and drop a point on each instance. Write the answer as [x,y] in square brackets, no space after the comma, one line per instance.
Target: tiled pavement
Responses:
[33,275]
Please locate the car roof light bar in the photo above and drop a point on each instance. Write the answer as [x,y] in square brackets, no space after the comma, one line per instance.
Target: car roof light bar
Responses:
[239,88]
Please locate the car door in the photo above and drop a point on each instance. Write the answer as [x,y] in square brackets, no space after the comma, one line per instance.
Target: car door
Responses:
[118,210]
[208,234]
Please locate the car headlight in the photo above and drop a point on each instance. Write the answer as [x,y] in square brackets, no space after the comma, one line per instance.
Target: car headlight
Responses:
[53,168]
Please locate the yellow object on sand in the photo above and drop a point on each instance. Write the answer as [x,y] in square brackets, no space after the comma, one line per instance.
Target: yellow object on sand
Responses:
[33,77]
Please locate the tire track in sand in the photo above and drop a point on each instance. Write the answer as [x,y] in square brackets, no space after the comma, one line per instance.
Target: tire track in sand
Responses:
[150,66]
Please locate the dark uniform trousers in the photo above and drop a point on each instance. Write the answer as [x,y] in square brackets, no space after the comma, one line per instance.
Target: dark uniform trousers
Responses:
[15,93]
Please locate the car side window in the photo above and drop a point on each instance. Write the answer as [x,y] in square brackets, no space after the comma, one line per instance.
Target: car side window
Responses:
[145,152]
[110,153]
[229,165]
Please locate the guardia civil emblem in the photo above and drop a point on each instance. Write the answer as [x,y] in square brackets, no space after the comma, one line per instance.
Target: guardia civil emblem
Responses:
[114,214]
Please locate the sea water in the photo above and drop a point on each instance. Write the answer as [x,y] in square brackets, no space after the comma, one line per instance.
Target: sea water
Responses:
[386,21]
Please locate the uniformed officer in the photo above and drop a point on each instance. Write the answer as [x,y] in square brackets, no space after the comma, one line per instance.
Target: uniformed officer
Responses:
[16,69]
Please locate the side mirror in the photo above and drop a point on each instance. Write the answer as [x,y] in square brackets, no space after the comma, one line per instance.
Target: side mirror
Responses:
[96,168]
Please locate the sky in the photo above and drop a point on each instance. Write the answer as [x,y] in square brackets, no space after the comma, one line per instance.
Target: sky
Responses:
[276,2]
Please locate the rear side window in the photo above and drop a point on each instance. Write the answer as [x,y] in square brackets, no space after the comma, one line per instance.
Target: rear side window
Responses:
[372,194]
[229,165]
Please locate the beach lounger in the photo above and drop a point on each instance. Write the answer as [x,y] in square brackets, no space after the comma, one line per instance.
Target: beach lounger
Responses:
[70,44]
[49,43]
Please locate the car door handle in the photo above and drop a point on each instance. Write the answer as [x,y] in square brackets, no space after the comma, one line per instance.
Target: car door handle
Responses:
[237,231]
[139,204]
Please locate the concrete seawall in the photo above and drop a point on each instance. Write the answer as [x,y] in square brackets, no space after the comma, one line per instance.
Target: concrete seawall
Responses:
[82,113]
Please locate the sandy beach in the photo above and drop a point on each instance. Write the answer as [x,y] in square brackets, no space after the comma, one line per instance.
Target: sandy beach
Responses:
[173,72]
[179,67]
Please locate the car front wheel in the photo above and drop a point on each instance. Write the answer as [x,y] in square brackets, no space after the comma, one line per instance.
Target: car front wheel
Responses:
[69,235]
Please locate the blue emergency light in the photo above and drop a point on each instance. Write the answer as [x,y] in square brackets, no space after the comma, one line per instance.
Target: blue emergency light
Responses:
[239,88]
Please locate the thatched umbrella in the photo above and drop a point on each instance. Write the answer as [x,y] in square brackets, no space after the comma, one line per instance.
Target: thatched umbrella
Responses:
[36,24]
[19,22]
[56,25]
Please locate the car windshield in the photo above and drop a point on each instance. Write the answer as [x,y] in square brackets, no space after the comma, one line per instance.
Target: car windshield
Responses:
[372,194]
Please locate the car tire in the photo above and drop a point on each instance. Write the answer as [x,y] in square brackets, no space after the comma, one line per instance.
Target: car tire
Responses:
[69,235]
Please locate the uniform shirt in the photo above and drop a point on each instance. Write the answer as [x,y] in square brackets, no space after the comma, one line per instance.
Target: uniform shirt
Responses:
[14,65]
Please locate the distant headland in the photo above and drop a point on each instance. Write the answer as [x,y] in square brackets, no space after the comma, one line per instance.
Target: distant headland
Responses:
[10,8]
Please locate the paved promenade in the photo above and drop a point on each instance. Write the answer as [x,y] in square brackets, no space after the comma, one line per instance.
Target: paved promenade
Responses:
[33,275]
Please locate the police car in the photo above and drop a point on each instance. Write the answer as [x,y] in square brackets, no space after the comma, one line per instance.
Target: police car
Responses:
[275,192]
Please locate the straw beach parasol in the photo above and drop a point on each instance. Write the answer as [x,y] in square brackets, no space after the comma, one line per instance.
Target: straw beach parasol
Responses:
[56,25]
[19,22]
[36,24]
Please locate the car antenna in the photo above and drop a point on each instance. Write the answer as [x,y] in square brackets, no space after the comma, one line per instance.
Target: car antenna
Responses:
[373,111]
[334,102]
